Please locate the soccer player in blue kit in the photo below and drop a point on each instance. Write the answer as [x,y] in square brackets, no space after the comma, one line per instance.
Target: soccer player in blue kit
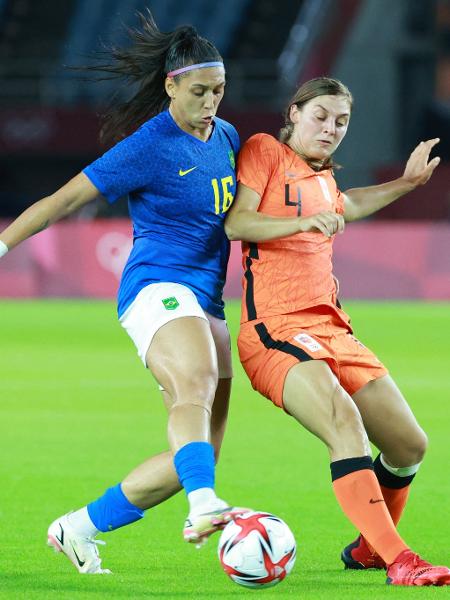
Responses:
[178,169]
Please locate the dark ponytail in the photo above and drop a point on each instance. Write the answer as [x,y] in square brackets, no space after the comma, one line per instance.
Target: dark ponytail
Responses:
[146,63]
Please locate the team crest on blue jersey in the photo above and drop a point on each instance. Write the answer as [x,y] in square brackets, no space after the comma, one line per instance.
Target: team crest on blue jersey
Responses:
[231,157]
[171,303]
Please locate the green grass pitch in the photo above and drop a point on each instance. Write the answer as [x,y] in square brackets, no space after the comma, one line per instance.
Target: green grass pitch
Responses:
[78,411]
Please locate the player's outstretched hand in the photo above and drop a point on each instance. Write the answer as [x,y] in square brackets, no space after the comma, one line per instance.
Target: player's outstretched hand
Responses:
[419,167]
[326,222]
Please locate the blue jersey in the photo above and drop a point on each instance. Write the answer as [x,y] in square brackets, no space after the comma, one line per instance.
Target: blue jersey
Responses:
[179,190]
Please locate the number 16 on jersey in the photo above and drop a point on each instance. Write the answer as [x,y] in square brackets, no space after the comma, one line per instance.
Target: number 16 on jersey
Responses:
[227,195]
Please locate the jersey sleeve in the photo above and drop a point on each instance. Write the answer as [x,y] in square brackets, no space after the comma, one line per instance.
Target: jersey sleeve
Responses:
[233,136]
[257,161]
[339,199]
[340,202]
[124,168]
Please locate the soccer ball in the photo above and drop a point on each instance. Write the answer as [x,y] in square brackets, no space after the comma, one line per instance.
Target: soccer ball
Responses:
[257,549]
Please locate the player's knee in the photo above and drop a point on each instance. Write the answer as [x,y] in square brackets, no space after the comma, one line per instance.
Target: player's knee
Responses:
[420,446]
[203,380]
[198,387]
[414,451]
[409,450]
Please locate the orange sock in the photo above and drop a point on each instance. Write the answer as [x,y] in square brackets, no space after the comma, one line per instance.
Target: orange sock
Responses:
[395,489]
[358,492]
[395,500]
[395,486]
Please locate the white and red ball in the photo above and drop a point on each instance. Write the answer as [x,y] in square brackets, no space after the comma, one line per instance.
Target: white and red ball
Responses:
[257,549]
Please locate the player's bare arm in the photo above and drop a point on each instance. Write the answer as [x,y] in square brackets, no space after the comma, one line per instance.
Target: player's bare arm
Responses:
[69,198]
[244,222]
[361,202]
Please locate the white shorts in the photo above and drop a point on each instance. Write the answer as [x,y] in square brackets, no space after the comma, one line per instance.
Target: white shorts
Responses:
[160,303]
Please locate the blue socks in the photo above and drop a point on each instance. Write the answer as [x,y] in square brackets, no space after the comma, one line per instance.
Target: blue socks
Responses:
[195,465]
[113,510]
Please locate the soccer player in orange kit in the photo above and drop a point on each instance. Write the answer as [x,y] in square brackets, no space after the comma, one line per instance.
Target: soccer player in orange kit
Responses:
[296,343]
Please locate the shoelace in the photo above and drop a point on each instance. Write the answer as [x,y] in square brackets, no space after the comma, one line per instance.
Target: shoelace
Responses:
[416,562]
[91,540]
[96,543]
[97,559]
[416,565]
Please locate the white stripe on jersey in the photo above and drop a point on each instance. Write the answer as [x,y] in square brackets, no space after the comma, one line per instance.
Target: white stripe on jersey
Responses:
[325,190]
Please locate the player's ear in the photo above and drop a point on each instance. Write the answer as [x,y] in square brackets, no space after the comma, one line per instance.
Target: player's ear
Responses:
[294,113]
[169,84]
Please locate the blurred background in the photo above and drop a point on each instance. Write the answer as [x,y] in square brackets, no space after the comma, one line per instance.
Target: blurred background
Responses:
[393,55]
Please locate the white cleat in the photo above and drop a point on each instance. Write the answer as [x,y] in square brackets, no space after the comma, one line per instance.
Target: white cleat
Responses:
[198,527]
[81,551]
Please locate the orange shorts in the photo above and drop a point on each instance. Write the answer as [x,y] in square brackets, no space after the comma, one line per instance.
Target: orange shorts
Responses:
[269,347]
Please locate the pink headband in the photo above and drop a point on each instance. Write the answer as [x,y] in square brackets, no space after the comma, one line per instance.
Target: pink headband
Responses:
[192,67]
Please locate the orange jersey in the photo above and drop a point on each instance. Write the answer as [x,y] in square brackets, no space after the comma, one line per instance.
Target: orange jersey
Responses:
[291,274]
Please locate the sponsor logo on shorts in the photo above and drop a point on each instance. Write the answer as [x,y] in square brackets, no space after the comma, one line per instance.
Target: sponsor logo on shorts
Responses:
[306,340]
[171,303]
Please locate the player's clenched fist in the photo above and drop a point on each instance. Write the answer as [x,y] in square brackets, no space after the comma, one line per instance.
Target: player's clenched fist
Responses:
[326,222]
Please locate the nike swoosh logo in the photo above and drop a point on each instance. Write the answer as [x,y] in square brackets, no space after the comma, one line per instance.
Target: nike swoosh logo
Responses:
[182,173]
[80,562]
[61,538]
[372,501]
